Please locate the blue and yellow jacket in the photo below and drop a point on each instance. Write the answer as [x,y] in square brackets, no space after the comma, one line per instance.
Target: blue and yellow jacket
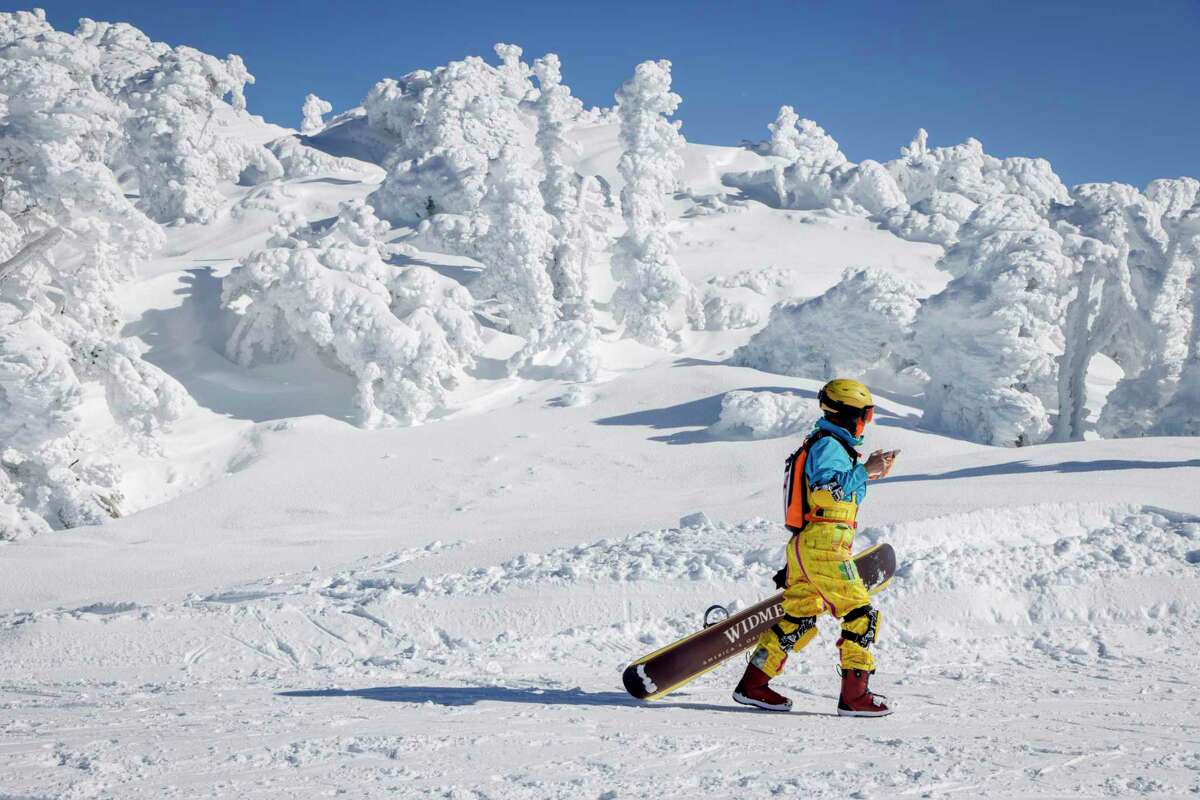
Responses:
[834,483]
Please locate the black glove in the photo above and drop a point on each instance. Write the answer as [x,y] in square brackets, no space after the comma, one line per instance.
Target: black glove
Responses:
[780,579]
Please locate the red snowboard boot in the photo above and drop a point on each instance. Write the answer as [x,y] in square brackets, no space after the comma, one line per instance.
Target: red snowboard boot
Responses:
[857,700]
[753,690]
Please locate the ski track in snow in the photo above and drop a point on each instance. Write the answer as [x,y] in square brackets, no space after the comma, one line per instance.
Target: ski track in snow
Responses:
[1025,659]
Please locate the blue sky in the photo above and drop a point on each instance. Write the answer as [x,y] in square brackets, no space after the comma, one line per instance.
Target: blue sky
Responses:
[1105,90]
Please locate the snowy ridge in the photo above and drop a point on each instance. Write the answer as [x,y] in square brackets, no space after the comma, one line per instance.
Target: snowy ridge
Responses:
[996,569]
[706,553]
[1044,279]
[1044,576]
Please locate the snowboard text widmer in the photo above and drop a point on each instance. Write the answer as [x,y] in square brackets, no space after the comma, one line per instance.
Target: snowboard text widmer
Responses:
[669,668]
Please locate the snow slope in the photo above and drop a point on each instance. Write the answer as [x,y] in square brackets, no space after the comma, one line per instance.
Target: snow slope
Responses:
[304,608]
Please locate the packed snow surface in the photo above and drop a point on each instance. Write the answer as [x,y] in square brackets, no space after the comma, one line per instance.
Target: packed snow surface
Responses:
[1044,655]
[411,429]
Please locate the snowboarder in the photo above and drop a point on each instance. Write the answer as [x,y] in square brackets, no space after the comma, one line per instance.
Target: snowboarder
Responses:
[823,487]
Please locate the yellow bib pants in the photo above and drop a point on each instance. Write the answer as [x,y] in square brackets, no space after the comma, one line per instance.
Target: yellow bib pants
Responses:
[821,577]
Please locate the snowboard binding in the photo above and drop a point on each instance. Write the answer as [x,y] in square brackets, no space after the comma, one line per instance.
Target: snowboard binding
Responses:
[714,614]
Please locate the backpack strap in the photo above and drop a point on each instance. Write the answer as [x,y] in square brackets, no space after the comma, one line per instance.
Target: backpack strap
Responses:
[794,471]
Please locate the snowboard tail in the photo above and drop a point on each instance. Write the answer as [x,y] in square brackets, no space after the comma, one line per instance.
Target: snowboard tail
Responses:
[670,667]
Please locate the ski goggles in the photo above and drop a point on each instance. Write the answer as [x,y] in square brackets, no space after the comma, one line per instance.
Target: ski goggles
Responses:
[868,413]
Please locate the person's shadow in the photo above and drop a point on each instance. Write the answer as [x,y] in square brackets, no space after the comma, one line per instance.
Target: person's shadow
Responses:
[470,695]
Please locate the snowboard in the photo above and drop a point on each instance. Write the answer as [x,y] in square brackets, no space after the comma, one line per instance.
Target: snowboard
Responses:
[670,667]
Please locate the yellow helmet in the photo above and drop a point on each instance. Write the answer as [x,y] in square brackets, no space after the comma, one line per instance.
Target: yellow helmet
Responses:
[846,396]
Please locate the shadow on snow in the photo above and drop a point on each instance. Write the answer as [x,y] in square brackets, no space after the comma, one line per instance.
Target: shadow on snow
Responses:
[188,343]
[705,412]
[1024,467]
[470,695]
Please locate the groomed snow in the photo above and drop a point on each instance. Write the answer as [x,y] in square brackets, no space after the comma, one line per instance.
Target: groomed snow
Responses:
[1045,658]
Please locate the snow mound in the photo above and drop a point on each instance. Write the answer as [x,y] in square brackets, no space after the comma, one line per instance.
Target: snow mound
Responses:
[299,161]
[1065,580]
[763,280]
[763,415]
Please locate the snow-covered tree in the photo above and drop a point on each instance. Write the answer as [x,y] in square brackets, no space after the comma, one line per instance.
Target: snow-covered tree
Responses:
[1125,255]
[70,238]
[1123,218]
[816,152]
[918,148]
[651,290]
[514,72]
[579,224]
[936,218]
[450,123]
[942,186]
[48,476]
[864,188]
[1081,326]
[312,111]
[722,314]
[556,107]
[786,140]
[175,136]
[819,175]
[239,77]
[965,169]
[991,340]
[123,49]
[517,249]
[1157,238]
[406,334]
[1181,415]
[860,325]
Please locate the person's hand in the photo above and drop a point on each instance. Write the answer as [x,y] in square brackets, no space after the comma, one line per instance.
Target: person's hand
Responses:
[879,463]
